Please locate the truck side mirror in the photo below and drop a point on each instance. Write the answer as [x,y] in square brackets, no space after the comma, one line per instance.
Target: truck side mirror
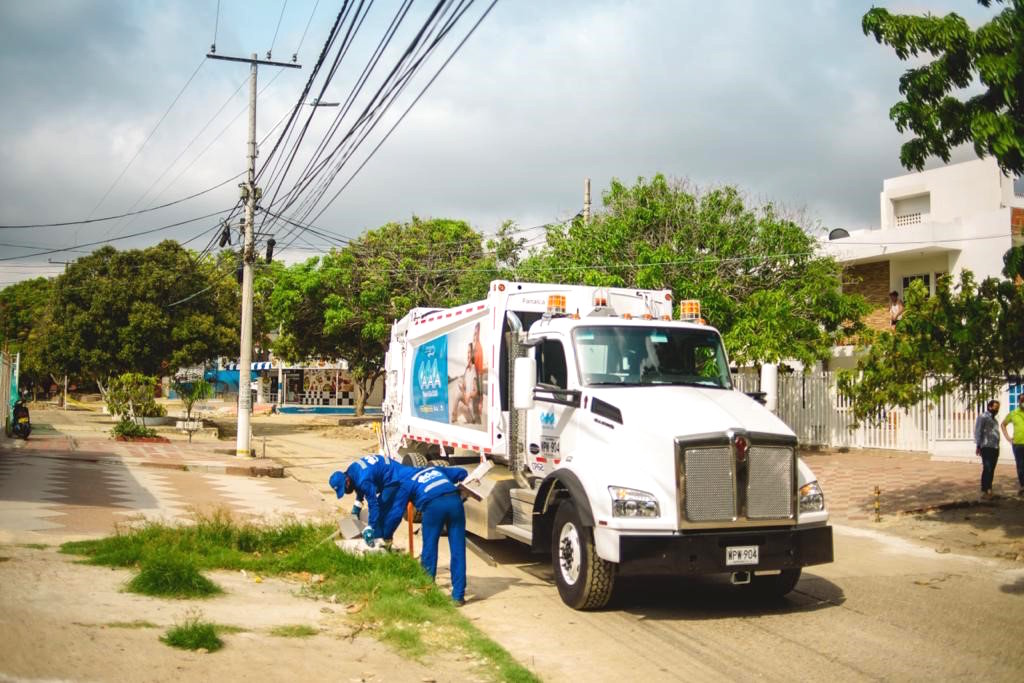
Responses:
[525,381]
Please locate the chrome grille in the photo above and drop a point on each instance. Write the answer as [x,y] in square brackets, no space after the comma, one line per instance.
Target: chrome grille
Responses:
[710,492]
[770,482]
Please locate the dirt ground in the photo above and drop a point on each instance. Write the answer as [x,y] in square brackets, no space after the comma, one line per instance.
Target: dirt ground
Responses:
[980,528]
[66,621]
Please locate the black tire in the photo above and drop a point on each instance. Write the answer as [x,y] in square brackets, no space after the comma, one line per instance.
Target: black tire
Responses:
[415,459]
[584,580]
[775,585]
[440,462]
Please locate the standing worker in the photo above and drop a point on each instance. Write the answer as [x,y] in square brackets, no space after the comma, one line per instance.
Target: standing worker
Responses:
[986,441]
[1016,418]
[373,478]
[432,491]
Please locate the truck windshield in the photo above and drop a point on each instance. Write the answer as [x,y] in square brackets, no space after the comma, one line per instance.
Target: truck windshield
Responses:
[631,355]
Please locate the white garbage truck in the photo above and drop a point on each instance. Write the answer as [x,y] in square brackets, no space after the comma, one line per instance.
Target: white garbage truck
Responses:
[611,436]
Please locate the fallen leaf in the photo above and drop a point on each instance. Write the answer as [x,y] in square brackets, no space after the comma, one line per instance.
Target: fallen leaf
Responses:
[354,608]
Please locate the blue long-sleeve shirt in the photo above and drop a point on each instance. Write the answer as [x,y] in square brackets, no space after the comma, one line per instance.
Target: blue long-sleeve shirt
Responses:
[420,487]
[370,475]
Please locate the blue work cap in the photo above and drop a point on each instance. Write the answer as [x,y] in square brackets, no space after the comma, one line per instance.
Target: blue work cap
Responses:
[337,482]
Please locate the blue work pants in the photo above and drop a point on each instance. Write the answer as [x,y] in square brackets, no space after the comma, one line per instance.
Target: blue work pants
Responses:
[446,509]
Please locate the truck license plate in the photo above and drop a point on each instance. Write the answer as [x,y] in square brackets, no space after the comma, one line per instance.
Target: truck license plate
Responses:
[740,554]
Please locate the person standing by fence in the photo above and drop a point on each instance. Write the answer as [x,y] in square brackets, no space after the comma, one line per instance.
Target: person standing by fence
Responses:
[1016,418]
[986,441]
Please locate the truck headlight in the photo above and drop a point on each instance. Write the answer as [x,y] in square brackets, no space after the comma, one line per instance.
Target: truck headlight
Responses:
[811,498]
[633,503]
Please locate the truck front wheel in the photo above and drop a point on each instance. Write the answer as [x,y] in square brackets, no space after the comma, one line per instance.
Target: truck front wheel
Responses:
[584,580]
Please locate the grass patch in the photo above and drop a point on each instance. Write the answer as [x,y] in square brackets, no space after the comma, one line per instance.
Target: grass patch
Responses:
[138,623]
[229,629]
[294,631]
[34,546]
[193,634]
[171,574]
[393,598]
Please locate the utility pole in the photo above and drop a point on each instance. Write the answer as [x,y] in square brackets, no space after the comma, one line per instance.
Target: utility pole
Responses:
[250,195]
[65,264]
[586,201]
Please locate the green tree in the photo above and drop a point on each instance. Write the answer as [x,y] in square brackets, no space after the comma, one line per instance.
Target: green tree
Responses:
[756,273]
[965,340]
[189,392]
[131,395]
[143,310]
[342,305]
[936,107]
[24,318]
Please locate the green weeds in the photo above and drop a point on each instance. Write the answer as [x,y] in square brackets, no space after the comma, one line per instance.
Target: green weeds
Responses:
[386,594]
[171,574]
[294,631]
[193,634]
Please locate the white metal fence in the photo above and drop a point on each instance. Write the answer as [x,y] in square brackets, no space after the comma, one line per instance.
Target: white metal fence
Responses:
[5,388]
[813,408]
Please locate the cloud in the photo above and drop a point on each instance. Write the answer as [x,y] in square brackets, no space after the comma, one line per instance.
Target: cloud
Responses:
[789,101]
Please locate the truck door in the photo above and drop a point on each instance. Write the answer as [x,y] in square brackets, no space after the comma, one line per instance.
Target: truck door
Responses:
[550,426]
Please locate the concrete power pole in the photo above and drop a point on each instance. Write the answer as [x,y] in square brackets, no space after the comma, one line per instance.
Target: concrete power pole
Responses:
[250,194]
[586,200]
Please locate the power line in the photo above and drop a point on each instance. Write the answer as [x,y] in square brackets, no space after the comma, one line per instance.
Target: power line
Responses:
[408,109]
[216,25]
[148,138]
[116,239]
[123,215]
[303,38]
[388,90]
[279,18]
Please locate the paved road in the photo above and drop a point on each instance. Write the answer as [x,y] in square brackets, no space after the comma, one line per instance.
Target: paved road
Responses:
[885,610]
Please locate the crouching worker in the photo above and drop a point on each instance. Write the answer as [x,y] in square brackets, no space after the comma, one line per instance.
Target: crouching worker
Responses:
[373,479]
[432,491]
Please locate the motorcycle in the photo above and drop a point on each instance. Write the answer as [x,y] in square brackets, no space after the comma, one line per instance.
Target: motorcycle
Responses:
[22,424]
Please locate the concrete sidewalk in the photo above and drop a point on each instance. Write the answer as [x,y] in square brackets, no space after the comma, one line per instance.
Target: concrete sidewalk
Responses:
[90,445]
[907,482]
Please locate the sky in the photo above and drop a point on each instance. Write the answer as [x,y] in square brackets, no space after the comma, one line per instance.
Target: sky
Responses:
[787,100]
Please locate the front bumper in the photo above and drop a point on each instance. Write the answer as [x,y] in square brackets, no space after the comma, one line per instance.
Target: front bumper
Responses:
[704,552]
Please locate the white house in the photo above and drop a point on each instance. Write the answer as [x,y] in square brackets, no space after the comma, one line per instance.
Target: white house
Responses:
[962,216]
[945,220]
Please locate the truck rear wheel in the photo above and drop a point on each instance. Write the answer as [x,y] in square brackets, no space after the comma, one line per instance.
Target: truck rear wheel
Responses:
[414,459]
[584,580]
[775,585]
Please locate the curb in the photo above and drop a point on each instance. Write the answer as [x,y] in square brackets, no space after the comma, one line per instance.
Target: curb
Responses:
[269,471]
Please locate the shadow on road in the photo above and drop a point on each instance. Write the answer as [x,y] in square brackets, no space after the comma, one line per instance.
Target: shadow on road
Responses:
[713,597]
[668,597]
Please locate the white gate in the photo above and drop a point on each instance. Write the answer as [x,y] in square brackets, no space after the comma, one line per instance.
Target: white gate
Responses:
[814,409]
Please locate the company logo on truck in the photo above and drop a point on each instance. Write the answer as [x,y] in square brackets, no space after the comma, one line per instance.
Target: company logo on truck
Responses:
[547,419]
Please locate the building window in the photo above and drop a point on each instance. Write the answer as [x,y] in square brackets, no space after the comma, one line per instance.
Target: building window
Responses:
[908,219]
[911,210]
[926,278]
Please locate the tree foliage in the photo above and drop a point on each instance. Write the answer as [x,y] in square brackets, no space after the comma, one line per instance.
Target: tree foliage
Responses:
[934,108]
[965,340]
[132,395]
[342,305]
[755,271]
[138,311]
[23,317]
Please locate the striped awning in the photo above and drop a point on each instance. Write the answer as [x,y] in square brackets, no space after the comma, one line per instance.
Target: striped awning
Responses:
[258,365]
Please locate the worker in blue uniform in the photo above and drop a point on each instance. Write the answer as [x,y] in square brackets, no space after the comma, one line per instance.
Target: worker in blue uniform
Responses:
[373,479]
[432,491]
